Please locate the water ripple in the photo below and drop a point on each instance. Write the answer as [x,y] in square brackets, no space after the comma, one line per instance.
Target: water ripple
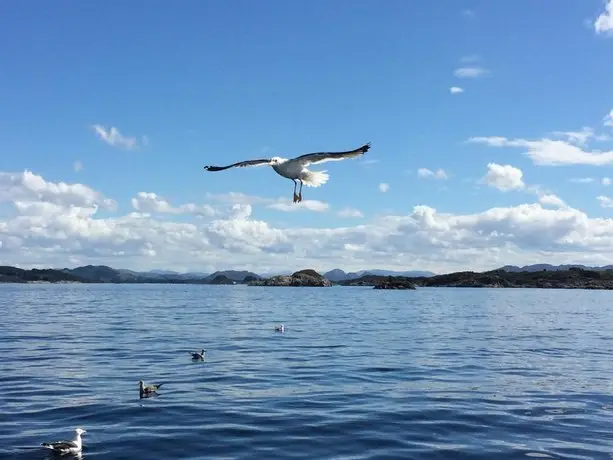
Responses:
[359,374]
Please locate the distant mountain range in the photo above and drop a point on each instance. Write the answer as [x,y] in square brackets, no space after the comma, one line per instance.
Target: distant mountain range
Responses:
[548,267]
[105,274]
[337,274]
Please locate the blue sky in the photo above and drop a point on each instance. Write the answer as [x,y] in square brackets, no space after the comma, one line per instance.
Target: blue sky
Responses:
[217,82]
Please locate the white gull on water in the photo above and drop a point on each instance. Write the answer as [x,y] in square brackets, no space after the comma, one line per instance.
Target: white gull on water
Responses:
[67,447]
[296,168]
[147,390]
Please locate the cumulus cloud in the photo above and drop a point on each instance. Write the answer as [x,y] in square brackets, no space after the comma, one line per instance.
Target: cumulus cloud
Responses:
[604,22]
[384,187]
[456,90]
[279,203]
[606,181]
[350,212]
[113,137]
[555,152]
[549,199]
[426,173]
[288,206]
[470,72]
[504,177]
[605,201]
[149,202]
[58,224]
[29,187]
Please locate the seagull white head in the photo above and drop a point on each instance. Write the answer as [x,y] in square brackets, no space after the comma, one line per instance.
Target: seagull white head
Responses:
[277,160]
[80,431]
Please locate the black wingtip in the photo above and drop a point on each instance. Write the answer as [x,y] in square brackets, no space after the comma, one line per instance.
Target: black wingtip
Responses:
[366,147]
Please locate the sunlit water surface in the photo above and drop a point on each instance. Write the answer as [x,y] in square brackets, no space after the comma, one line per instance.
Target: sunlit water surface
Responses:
[359,374]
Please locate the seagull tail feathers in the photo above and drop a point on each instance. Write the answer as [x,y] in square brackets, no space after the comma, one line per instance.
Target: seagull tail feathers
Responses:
[315,178]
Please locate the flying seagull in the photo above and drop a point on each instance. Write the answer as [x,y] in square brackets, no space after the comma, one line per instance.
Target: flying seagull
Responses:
[146,390]
[65,447]
[296,168]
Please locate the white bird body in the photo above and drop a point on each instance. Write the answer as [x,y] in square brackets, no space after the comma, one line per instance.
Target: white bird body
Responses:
[295,169]
[67,447]
[148,390]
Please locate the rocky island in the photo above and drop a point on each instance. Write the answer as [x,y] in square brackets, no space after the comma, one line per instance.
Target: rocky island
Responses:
[395,282]
[305,278]
[541,276]
[572,278]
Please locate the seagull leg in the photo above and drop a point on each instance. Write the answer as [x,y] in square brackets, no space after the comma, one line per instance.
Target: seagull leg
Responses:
[295,196]
[300,191]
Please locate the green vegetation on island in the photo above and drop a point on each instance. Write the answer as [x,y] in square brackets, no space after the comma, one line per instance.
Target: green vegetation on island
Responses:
[506,277]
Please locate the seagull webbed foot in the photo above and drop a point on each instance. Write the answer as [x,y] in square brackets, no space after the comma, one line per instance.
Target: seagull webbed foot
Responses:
[299,197]
[296,199]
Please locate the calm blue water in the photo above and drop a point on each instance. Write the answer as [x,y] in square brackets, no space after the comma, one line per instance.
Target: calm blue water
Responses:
[359,374]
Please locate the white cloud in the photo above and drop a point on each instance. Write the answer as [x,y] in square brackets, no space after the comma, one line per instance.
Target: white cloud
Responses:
[604,22]
[29,187]
[384,187]
[77,166]
[113,137]
[608,119]
[57,224]
[456,90]
[550,199]
[555,152]
[149,202]
[504,177]
[425,173]
[549,152]
[606,181]
[582,180]
[576,137]
[605,201]
[310,205]
[350,212]
[470,72]
[279,203]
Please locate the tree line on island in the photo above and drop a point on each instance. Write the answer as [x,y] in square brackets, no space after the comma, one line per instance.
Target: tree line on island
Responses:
[532,276]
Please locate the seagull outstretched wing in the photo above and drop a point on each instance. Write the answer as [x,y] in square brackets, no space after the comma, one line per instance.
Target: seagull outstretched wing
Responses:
[240,164]
[321,157]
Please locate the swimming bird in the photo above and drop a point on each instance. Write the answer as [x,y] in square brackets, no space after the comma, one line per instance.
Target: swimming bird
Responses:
[280,328]
[146,390]
[296,170]
[67,447]
[196,355]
